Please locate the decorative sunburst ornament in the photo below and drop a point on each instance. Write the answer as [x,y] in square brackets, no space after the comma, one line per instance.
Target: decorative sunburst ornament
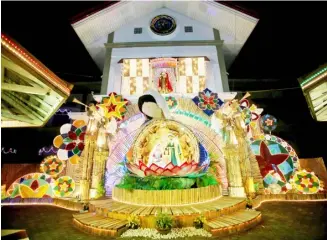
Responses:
[268,123]
[71,141]
[208,101]
[32,185]
[171,102]
[305,182]
[64,186]
[113,106]
[52,166]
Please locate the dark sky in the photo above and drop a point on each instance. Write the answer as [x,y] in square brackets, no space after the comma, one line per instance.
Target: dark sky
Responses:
[288,42]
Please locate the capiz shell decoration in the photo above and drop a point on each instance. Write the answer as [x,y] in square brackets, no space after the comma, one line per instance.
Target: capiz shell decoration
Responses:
[70,142]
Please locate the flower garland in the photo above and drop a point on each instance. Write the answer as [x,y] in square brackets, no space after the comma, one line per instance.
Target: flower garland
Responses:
[175,233]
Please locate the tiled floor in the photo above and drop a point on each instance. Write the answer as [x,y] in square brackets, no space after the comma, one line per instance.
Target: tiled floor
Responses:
[281,220]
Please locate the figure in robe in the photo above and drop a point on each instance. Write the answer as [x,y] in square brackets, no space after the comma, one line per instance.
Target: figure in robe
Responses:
[164,84]
[175,150]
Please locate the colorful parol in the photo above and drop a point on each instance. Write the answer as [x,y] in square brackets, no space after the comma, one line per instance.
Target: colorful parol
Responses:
[64,186]
[305,182]
[113,106]
[249,113]
[71,141]
[171,102]
[32,185]
[268,123]
[52,166]
[277,160]
[208,101]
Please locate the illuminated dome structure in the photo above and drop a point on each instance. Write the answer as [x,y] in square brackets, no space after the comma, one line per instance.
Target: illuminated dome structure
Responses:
[166,148]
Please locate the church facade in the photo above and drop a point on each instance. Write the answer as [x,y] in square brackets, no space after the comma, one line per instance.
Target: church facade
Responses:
[191,44]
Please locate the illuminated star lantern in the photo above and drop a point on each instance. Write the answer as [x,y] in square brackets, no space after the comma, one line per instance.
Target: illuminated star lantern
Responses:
[113,106]
[268,122]
[268,162]
[281,172]
[208,101]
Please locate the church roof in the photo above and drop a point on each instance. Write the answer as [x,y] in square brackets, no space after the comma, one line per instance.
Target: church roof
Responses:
[235,26]
[30,92]
[314,86]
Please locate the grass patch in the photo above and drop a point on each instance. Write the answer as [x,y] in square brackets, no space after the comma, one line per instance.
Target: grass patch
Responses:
[166,183]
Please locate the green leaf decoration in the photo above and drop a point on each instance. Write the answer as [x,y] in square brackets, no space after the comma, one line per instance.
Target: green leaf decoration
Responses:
[56,188]
[315,184]
[67,140]
[70,181]
[70,189]
[166,183]
[78,131]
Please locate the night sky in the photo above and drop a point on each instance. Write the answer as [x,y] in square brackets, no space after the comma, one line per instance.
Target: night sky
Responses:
[287,43]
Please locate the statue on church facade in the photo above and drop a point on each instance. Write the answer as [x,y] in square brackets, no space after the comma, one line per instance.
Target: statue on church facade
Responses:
[164,84]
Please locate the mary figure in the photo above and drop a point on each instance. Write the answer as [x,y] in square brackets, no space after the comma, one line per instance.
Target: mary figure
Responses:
[175,151]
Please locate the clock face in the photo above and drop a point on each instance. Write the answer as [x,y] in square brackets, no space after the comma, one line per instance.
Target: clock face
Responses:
[163,25]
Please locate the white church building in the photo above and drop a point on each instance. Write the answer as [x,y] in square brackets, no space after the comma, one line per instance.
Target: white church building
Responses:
[194,42]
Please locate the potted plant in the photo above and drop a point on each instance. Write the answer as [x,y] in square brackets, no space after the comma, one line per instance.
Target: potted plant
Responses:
[164,223]
[133,222]
[199,221]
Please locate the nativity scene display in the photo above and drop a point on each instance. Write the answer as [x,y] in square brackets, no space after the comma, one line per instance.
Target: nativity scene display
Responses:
[167,148]
[183,155]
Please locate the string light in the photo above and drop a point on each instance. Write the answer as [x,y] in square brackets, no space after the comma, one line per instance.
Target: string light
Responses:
[44,151]
[285,200]
[10,151]
[194,116]
[32,62]
[39,204]
[63,112]
[168,205]
[314,76]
